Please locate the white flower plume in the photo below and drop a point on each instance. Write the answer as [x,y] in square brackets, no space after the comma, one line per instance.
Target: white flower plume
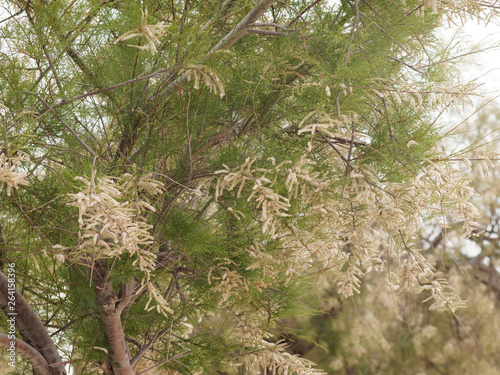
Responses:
[151,33]
[8,174]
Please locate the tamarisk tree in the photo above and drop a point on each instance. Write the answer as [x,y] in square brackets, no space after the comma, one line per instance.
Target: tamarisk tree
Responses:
[177,174]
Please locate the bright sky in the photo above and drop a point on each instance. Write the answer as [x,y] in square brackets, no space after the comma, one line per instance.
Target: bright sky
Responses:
[484,65]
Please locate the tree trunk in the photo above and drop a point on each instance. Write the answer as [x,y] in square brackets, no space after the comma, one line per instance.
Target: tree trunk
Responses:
[110,311]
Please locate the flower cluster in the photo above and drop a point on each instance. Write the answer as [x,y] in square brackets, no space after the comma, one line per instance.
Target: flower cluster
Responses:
[272,205]
[8,174]
[204,74]
[277,361]
[111,225]
[419,95]
[111,221]
[351,233]
[151,33]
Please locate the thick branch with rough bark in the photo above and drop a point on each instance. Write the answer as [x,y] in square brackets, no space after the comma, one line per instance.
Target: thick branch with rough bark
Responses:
[39,364]
[30,327]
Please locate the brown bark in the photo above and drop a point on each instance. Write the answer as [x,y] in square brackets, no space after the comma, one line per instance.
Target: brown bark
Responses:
[241,28]
[30,327]
[110,310]
[39,364]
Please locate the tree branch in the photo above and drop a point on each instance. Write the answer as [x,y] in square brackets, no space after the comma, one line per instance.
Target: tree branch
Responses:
[239,31]
[174,358]
[69,128]
[39,364]
[133,341]
[79,62]
[29,326]
[301,13]
[266,32]
[111,319]
[232,37]
[144,348]
[110,88]
[268,24]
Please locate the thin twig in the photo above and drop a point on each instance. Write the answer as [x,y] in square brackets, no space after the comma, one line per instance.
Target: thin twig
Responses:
[355,27]
[174,358]
[12,16]
[408,66]
[28,219]
[348,167]
[332,145]
[114,87]
[144,348]
[389,128]
[302,12]
[71,130]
